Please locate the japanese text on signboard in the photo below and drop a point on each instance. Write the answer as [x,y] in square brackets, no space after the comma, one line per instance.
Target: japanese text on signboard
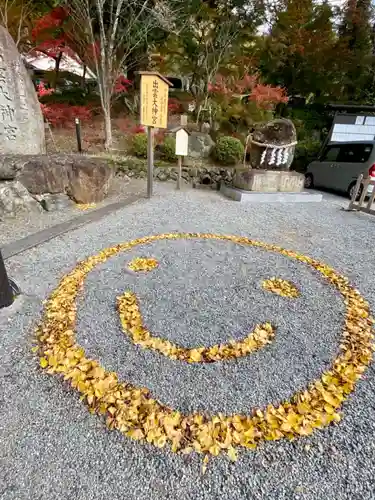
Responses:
[154,101]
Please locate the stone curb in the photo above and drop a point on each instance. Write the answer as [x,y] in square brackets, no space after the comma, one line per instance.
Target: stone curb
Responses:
[33,240]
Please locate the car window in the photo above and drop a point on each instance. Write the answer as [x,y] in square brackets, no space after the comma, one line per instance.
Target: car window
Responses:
[330,153]
[355,153]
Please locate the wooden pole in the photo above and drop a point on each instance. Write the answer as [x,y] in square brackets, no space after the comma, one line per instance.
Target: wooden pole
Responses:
[179,172]
[78,134]
[6,294]
[150,162]
[355,192]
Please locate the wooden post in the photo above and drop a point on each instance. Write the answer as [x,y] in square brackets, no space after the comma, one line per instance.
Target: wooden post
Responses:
[355,193]
[78,134]
[364,192]
[6,294]
[372,198]
[179,172]
[154,113]
[150,162]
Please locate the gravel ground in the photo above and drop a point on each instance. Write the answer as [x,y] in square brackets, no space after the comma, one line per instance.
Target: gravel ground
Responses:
[203,292]
[15,228]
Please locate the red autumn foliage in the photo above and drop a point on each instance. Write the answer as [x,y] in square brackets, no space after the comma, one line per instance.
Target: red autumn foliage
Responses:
[64,115]
[49,22]
[43,91]
[49,36]
[174,106]
[61,115]
[122,85]
[265,96]
[127,126]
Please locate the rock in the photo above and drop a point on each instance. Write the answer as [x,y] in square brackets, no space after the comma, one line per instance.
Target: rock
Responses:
[269,181]
[15,198]
[205,127]
[44,174]
[10,166]
[188,162]
[162,176]
[86,179]
[89,181]
[21,120]
[200,145]
[279,138]
[53,202]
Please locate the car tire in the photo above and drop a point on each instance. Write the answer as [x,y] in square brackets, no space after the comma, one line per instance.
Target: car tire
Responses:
[351,191]
[309,181]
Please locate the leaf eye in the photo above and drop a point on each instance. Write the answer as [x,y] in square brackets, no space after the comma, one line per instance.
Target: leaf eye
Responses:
[281,287]
[142,264]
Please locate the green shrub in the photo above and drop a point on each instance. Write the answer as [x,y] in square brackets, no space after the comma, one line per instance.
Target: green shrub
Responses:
[305,152]
[139,145]
[168,149]
[228,150]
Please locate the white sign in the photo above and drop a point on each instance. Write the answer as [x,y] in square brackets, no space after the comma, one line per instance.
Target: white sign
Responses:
[349,133]
[182,142]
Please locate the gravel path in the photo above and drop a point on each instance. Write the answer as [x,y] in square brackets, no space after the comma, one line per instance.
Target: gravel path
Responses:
[203,292]
[15,228]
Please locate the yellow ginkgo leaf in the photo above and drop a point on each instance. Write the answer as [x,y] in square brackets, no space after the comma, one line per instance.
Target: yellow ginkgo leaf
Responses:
[43,362]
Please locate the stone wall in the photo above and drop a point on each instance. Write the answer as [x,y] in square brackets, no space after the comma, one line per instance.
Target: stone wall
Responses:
[51,182]
[195,175]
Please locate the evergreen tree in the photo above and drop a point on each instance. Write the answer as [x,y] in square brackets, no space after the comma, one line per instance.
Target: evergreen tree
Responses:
[299,52]
[356,45]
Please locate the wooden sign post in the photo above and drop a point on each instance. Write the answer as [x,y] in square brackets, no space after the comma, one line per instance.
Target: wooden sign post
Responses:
[154,114]
[182,146]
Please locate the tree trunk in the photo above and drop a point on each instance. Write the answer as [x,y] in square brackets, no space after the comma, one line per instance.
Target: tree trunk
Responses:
[57,69]
[107,128]
[83,81]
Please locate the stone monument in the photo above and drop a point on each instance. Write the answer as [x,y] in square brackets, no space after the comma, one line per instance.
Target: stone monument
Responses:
[272,145]
[21,120]
[268,177]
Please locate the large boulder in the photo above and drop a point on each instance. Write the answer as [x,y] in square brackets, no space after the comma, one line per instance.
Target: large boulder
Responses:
[15,198]
[272,145]
[89,181]
[44,174]
[85,179]
[200,145]
[21,120]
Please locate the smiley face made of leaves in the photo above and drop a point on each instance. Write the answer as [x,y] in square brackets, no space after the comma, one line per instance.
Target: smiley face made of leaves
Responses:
[134,412]
[133,325]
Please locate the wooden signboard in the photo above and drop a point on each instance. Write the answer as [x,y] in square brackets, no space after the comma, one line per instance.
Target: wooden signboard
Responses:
[154,114]
[182,142]
[154,100]
[182,146]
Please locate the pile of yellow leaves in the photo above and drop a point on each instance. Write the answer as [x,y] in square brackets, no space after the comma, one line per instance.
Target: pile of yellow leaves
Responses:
[142,264]
[281,287]
[132,323]
[85,206]
[133,410]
